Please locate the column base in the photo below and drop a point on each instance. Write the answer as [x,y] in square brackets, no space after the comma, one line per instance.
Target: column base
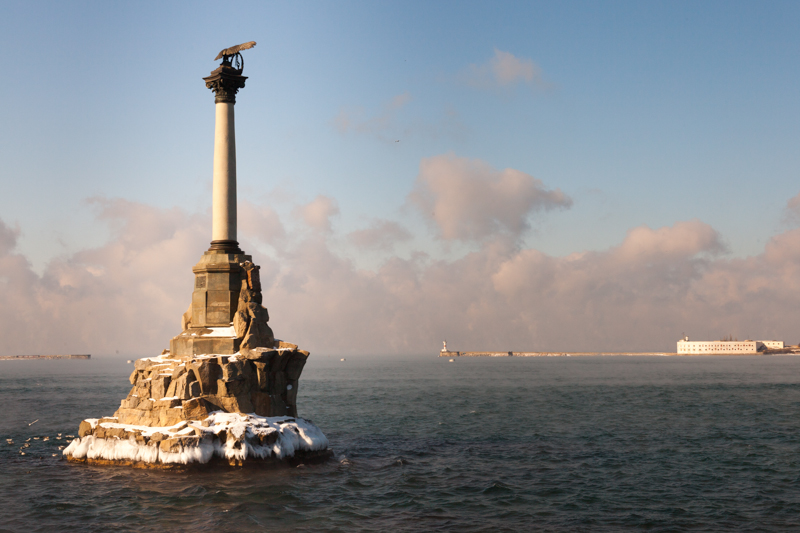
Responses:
[225,247]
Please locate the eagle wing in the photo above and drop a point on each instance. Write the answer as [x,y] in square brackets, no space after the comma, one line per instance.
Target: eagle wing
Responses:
[235,49]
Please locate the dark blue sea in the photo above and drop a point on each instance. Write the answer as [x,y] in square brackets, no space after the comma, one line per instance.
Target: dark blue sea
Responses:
[422,444]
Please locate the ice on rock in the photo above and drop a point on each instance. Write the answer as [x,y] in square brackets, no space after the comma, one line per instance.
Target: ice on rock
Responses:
[245,436]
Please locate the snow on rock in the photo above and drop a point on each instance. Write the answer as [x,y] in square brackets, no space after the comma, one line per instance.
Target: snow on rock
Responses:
[194,408]
[234,437]
[219,332]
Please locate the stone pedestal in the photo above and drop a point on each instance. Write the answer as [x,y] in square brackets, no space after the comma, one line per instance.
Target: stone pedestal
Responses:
[217,283]
[199,341]
[208,328]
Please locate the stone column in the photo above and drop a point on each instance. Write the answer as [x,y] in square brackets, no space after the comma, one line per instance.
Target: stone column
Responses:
[225,81]
[223,224]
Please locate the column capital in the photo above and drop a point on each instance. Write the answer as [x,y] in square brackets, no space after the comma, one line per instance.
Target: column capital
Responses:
[225,81]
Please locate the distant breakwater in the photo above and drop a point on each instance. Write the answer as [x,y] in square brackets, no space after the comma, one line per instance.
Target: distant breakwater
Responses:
[586,354]
[544,354]
[29,357]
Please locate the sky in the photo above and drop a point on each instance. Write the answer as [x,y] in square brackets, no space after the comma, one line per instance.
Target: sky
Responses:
[503,175]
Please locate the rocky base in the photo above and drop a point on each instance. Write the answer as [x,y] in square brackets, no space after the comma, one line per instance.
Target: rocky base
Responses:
[196,409]
[225,391]
[167,390]
[232,439]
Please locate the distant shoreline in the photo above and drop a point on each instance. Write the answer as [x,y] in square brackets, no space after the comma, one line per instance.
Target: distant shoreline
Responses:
[29,357]
[602,354]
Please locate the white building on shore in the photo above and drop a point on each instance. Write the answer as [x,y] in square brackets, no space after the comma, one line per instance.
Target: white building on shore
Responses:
[773,345]
[685,346]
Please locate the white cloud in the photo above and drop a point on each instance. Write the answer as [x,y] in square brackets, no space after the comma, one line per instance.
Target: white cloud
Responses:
[127,294]
[317,213]
[791,213]
[504,70]
[467,199]
[642,294]
[270,228]
[684,239]
[380,235]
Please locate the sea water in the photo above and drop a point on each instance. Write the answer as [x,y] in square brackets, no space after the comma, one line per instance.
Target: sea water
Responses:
[422,444]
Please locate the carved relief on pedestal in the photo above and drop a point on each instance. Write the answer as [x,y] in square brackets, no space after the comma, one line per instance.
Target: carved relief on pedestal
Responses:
[250,321]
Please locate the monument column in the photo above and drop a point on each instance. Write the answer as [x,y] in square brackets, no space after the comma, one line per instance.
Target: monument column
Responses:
[225,81]
[223,225]
[218,274]
[208,323]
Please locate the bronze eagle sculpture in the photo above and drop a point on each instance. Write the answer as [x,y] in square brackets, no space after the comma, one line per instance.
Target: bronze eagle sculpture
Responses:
[233,50]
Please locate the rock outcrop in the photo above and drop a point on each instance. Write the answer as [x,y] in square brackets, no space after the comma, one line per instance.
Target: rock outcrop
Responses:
[173,413]
[166,390]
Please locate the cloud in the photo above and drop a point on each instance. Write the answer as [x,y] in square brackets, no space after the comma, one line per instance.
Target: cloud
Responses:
[270,229]
[127,294]
[684,239]
[794,204]
[642,294]
[504,70]
[467,199]
[317,213]
[791,213]
[8,238]
[380,235]
[647,261]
